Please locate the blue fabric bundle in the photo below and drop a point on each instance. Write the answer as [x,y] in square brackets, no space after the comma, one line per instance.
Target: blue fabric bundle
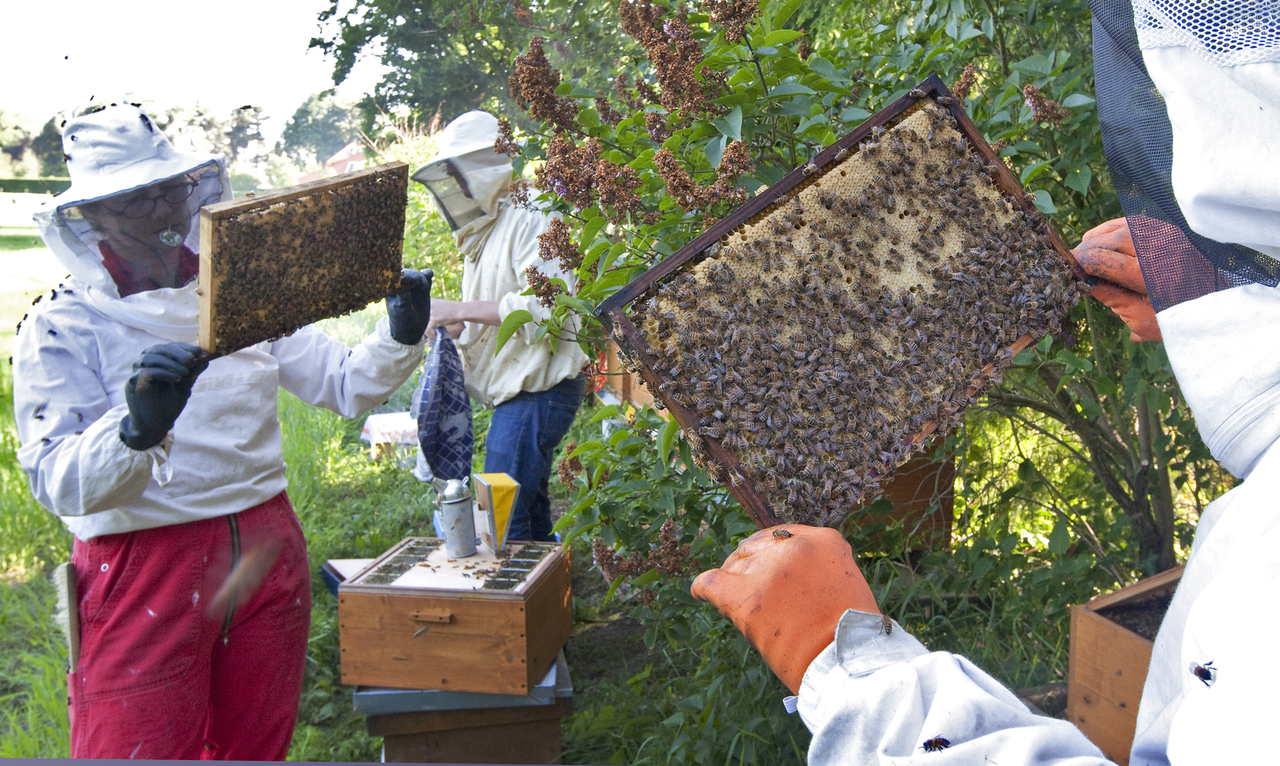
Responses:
[444,412]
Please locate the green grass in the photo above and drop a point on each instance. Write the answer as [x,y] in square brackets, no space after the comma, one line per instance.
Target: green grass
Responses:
[13,239]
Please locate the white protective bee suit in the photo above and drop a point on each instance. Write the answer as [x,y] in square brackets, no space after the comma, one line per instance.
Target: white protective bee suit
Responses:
[74,353]
[499,243]
[535,391]
[161,674]
[875,699]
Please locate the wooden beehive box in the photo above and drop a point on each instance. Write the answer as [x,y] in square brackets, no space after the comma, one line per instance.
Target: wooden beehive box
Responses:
[1108,664]
[414,619]
[277,262]
[814,339]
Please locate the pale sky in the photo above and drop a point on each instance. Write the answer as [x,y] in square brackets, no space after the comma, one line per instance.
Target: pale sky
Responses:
[223,55]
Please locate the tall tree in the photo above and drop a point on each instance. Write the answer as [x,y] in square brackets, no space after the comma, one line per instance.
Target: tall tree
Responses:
[456,57]
[48,148]
[318,129]
[244,129]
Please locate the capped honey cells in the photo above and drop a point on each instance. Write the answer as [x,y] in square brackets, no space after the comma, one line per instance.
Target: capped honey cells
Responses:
[276,263]
[819,342]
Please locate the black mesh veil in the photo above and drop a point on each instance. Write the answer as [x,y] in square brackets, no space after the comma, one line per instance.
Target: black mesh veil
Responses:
[1177,263]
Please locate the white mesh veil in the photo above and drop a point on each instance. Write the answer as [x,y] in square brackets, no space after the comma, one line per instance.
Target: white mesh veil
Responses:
[1227,33]
[202,186]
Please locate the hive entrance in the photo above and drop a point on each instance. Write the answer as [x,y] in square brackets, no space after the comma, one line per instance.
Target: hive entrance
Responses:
[813,349]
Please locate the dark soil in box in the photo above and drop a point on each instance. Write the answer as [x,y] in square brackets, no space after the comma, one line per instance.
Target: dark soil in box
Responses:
[1143,618]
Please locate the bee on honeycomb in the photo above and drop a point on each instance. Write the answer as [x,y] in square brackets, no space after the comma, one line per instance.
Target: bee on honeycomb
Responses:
[277,266]
[819,342]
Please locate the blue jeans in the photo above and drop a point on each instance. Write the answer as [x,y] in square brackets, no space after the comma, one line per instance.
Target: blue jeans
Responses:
[523,436]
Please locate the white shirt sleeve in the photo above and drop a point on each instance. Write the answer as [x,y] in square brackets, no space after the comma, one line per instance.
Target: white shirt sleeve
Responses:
[323,372]
[872,698]
[70,432]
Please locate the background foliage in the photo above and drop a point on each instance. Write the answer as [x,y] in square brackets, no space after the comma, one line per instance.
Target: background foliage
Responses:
[1080,472]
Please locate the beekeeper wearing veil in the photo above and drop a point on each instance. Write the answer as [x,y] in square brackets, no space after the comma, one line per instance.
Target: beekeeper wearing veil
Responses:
[535,391]
[167,467]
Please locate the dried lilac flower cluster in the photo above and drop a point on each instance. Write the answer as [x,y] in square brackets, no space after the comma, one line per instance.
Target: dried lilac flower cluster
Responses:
[579,175]
[506,142]
[569,468]
[556,243]
[656,125]
[689,193]
[734,16]
[521,13]
[669,557]
[968,78]
[533,86]
[1043,108]
[674,54]
[543,287]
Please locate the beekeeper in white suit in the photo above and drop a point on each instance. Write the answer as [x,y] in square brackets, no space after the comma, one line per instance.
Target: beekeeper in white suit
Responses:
[535,392]
[168,485]
[876,696]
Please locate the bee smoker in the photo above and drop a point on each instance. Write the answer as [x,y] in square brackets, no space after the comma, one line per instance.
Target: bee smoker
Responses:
[456,517]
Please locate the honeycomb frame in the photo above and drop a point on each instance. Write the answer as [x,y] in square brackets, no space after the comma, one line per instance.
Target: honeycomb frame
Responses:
[766,491]
[274,263]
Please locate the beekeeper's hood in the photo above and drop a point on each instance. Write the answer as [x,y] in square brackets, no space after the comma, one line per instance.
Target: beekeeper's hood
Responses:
[113,150]
[1189,103]
[467,179]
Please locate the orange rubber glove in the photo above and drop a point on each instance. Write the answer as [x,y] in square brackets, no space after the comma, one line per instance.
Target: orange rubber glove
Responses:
[1107,252]
[786,588]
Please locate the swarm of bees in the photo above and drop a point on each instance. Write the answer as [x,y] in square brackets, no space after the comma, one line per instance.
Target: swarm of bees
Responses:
[275,265]
[818,341]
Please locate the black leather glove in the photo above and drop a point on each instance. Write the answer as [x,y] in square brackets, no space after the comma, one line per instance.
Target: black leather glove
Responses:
[158,390]
[410,306]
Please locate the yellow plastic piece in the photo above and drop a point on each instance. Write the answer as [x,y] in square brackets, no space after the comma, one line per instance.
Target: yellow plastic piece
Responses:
[495,495]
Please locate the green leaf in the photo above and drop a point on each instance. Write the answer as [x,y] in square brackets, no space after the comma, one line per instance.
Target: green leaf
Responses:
[781,36]
[1034,169]
[824,67]
[643,161]
[647,578]
[1079,180]
[730,125]
[1044,203]
[667,438]
[769,175]
[589,117]
[766,50]
[854,113]
[1077,99]
[714,150]
[1059,538]
[589,232]
[785,12]
[1039,64]
[790,89]
[514,321]
[595,252]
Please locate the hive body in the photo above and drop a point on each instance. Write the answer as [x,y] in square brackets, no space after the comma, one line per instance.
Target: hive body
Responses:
[272,264]
[819,343]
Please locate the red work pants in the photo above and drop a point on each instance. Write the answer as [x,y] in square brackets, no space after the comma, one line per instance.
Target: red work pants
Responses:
[159,677]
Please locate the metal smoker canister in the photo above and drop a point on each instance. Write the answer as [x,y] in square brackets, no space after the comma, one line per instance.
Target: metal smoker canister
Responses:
[457,519]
